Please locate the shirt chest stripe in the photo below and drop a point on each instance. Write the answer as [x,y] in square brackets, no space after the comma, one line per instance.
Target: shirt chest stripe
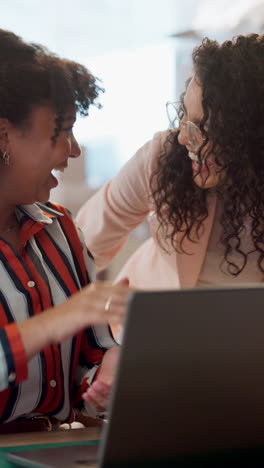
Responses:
[76,250]
[54,256]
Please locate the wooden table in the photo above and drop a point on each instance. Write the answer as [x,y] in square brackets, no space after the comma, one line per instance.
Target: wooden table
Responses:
[29,440]
[55,437]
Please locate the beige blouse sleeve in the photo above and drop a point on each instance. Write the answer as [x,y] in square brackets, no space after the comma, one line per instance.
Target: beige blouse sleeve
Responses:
[119,206]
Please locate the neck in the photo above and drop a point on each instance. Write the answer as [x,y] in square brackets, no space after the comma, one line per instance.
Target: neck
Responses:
[8,220]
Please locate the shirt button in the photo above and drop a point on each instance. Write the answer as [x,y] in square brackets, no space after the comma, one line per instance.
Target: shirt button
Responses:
[12,377]
[53,383]
[31,284]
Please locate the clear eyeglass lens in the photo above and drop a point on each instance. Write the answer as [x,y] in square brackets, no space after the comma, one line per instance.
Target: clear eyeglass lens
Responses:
[195,136]
[172,114]
[175,115]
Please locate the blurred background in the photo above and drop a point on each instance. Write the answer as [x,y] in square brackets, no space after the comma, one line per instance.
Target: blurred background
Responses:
[141,51]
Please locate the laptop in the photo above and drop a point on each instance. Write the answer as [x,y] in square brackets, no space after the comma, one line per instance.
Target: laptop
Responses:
[189,386]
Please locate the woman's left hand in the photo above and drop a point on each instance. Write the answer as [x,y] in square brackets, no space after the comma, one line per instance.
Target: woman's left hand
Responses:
[98,393]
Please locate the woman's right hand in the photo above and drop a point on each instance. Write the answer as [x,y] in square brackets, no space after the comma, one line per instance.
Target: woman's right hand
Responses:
[98,303]
[102,302]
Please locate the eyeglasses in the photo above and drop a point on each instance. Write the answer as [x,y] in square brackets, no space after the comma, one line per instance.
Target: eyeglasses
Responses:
[175,113]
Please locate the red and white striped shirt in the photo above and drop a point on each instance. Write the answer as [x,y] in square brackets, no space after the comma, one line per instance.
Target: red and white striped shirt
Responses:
[53,265]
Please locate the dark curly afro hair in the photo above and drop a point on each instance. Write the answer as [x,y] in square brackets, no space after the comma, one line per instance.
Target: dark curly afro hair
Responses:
[30,76]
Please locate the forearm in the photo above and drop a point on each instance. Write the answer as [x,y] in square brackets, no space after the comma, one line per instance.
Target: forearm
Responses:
[20,342]
[83,309]
[98,393]
[50,326]
[34,335]
[107,369]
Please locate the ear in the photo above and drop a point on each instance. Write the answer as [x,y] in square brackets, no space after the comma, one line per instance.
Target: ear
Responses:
[4,132]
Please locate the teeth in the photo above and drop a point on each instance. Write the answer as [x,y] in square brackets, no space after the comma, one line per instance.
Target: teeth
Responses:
[193,156]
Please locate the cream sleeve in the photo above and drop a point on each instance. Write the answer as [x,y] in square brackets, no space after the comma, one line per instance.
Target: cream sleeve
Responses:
[108,217]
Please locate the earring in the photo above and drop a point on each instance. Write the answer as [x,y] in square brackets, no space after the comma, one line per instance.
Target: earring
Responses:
[6,158]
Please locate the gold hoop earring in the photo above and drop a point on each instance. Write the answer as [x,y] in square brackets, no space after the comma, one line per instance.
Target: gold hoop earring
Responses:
[6,158]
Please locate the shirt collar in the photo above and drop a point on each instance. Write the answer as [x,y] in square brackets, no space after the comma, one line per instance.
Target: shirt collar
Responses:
[38,212]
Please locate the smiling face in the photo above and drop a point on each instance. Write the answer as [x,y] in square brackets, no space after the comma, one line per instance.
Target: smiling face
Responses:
[33,155]
[206,174]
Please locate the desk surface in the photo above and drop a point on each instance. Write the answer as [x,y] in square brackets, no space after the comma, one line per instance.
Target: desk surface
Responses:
[46,439]
[250,458]
[55,437]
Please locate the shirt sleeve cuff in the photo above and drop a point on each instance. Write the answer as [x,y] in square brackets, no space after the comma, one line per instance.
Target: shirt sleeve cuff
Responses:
[16,360]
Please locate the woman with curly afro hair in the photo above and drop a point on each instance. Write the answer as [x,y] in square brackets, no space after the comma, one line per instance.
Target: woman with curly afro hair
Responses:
[201,183]
[53,364]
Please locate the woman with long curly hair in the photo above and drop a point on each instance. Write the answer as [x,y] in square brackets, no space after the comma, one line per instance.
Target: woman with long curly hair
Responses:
[201,183]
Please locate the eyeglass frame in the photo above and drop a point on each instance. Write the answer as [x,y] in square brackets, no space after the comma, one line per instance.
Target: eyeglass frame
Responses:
[183,125]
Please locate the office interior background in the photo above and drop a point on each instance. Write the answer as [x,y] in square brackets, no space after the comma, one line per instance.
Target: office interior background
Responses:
[141,51]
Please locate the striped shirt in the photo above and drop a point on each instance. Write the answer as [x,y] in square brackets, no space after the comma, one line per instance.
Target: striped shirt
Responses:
[54,264]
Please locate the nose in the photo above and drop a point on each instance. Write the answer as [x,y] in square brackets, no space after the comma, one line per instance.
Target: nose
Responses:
[182,136]
[75,148]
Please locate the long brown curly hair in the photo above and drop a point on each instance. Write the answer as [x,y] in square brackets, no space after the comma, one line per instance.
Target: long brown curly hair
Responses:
[31,76]
[232,79]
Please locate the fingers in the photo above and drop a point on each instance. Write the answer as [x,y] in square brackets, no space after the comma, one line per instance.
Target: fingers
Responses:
[106,302]
[95,304]
[98,395]
[124,281]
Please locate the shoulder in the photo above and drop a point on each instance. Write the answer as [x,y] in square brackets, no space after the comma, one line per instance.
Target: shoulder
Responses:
[161,137]
[156,144]
[138,170]
[154,148]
